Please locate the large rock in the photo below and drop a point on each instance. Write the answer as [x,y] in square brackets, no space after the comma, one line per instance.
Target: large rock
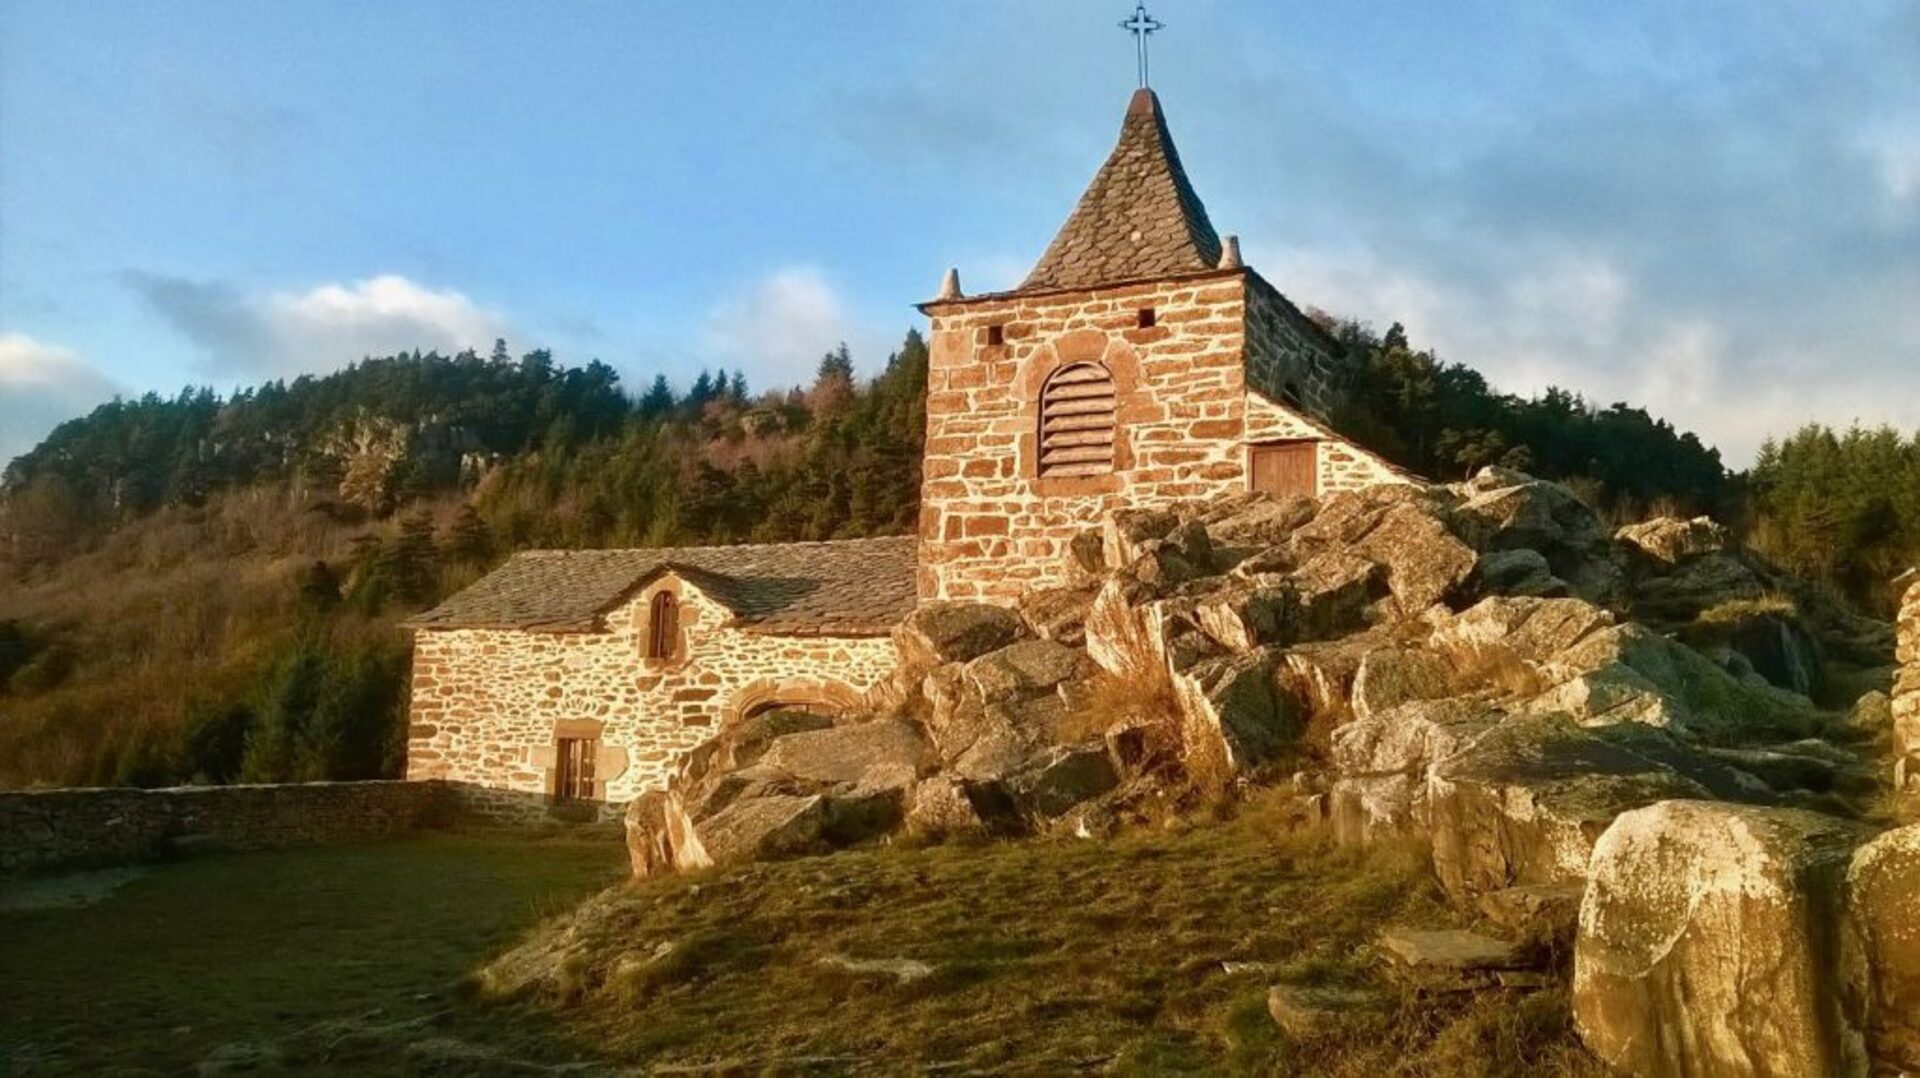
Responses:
[849,753]
[951,632]
[1671,540]
[1508,510]
[1256,521]
[1025,669]
[1526,800]
[1127,631]
[1059,614]
[1389,677]
[1233,715]
[1706,945]
[757,829]
[1882,943]
[1425,563]
[1381,764]
[1062,777]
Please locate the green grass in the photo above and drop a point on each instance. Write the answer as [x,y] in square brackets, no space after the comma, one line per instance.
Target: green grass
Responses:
[1050,957]
[217,950]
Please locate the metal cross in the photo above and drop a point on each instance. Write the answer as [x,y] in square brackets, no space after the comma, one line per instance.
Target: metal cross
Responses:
[1141,25]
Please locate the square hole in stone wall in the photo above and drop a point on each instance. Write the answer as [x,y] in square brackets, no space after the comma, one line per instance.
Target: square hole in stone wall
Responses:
[996,336]
[1147,318]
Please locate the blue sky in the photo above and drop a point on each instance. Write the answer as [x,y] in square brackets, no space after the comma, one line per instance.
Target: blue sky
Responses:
[1710,208]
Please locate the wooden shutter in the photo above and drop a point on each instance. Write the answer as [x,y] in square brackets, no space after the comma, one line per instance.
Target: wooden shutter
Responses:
[663,626]
[1288,468]
[1076,421]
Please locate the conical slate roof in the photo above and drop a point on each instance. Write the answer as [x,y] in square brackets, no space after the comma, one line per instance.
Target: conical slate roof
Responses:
[1139,218]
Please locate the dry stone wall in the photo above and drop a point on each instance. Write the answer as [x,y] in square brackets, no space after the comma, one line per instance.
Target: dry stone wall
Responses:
[47,829]
[993,528]
[489,704]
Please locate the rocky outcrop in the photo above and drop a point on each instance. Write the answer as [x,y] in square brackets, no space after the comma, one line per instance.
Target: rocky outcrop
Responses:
[1905,708]
[1881,947]
[1719,939]
[1461,664]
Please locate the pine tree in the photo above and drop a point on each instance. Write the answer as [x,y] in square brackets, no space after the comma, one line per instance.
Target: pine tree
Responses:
[469,541]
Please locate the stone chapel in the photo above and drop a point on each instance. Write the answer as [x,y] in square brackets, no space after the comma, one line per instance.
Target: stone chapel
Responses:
[1141,362]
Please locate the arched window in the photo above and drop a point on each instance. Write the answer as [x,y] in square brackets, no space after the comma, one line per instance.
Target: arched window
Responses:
[663,626]
[1076,421]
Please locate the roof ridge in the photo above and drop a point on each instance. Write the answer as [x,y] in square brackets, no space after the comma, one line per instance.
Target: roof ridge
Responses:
[562,552]
[1139,218]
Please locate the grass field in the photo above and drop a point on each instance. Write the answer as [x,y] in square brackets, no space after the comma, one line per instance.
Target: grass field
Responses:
[241,950]
[1148,954]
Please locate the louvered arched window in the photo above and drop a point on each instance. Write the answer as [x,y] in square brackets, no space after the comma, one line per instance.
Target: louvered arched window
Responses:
[663,626]
[1076,421]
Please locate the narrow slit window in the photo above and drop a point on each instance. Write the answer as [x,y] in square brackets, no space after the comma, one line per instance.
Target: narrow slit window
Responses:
[663,626]
[573,778]
[996,336]
[1077,421]
[1147,318]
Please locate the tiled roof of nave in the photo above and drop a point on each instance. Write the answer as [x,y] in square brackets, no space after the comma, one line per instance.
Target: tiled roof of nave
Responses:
[852,587]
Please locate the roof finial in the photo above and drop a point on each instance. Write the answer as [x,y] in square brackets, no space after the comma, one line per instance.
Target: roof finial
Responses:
[950,285]
[1140,26]
[1230,252]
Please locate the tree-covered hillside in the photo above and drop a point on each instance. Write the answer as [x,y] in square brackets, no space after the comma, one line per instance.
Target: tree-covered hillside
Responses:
[206,588]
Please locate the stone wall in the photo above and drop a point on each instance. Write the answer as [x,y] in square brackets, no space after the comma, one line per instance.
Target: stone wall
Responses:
[1906,703]
[992,528]
[1288,357]
[46,829]
[488,704]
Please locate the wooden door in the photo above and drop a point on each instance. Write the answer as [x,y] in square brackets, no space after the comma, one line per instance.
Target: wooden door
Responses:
[1287,468]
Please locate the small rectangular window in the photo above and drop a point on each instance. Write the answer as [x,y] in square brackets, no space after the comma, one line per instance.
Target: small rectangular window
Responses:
[573,768]
[996,336]
[1147,318]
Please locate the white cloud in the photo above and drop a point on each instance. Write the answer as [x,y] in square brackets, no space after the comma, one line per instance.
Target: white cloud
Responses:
[42,385]
[321,329]
[777,328]
[1580,322]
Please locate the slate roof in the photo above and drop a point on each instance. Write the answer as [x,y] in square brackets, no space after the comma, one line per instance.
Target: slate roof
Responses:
[852,587]
[1139,218]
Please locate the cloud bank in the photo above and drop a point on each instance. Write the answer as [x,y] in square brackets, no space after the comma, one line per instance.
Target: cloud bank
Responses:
[42,385]
[322,329]
[776,328]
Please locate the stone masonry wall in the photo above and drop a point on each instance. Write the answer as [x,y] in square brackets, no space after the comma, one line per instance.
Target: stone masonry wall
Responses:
[1288,358]
[1340,464]
[1906,703]
[47,829]
[487,704]
[991,528]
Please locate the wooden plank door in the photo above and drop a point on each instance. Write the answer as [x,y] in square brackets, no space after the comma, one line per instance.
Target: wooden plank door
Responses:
[1287,468]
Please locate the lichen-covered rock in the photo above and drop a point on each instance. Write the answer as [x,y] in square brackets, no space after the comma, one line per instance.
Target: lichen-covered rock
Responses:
[1127,631]
[1507,510]
[953,632]
[1671,540]
[1331,591]
[757,829]
[1882,940]
[1389,677]
[1519,572]
[1233,714]
[1025,669]
[1425,562]
[943,806]
[1706,945]
[1526,800]
[847,753]
[1059,614]
[1061,777]
[1905,706]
